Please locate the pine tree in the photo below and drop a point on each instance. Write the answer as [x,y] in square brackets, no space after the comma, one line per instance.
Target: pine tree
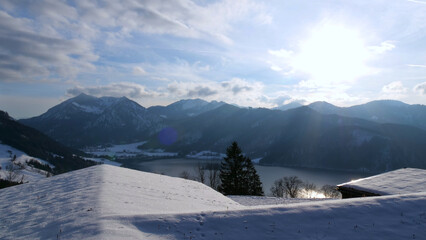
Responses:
[238,175]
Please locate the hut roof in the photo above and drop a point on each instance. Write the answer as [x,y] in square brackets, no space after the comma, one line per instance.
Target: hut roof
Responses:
[401,181]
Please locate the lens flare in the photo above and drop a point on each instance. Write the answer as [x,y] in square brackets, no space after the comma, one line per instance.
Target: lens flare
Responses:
[167,136]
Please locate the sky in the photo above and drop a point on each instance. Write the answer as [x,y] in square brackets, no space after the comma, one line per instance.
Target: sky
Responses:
[244,52]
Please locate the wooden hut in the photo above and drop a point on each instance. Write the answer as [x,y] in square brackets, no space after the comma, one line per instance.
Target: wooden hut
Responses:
[401,181]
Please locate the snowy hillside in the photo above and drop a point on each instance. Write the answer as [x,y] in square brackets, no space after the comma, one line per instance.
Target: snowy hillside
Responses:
[29,173]
[106,202]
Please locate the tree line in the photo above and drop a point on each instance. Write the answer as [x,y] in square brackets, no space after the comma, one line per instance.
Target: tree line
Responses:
[236,175]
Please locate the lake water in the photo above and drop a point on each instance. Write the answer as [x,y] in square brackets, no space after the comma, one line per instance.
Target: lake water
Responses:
[268,174]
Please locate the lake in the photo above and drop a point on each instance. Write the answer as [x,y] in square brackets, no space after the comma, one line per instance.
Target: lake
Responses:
[268,174]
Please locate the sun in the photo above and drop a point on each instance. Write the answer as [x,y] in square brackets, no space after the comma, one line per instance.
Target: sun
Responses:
[332,54]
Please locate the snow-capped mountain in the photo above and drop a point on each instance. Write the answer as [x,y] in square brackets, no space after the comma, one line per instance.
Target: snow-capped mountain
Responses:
[319,135]
[87,120]
[185,108]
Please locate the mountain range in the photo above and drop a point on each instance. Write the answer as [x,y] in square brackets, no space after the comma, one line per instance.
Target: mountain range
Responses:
[381,111]
[376,136]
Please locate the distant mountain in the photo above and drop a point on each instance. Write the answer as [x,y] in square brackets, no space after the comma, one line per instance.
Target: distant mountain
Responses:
[184,108]
[302,137]
[36,144]
[376,136]
[86,120]
[382,111]
[289,106]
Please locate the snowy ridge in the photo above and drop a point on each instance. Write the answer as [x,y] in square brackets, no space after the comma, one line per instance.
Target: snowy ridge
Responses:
[401,181]
[106,202]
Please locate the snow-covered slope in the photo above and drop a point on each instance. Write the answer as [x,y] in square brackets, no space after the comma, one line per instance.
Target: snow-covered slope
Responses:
[106,202]
[97,202]
[20,163]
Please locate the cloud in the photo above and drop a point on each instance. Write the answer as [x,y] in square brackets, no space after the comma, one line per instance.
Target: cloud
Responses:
[182,18]
[131,90]
[58,39]
[417,1]
[139,71]
[382,48]
[281,53]
[420,88]
[201,92]
[26,55]
[236,90]
[416,65]
[238,85]
[394,87]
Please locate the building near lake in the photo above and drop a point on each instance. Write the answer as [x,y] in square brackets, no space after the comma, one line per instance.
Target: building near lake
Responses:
[401,181]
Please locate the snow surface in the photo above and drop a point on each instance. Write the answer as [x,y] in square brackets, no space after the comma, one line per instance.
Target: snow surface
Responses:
[206,155]
[127,150]
[104,161]
[107,202]
[259,200]
[401,181]
[30,173]
[88,109]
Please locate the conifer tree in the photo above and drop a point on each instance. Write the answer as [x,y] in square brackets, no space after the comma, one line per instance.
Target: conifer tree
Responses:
[238,175]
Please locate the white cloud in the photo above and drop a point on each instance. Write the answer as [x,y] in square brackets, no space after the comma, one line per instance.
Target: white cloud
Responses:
[238,91]
[416,65]
[138,71]
[394,87]
[182,18]
[420,88]
[120,89]
[281,53]
[26,55]
[417,1]
[382,48]
[56,39]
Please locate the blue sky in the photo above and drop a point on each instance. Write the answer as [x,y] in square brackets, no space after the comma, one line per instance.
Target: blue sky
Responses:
[250,53]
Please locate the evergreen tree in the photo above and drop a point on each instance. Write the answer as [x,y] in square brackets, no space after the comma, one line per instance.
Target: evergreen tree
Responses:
[238,175]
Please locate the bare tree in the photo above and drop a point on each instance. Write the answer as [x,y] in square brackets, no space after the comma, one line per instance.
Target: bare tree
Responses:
[277,189]
[310,189]
[214,179]
[12,174]
[185,175]
[287,187]
[330,191]
[200,172]
[292,186]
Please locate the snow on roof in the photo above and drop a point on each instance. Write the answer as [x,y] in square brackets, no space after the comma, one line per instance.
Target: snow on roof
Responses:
[401,181]
[107,202]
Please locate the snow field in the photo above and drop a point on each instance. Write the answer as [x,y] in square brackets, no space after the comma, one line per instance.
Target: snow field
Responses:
[107,202]
[391,217]
[95,203]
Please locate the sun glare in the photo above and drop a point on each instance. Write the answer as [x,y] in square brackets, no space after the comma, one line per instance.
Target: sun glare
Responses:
[332,54]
